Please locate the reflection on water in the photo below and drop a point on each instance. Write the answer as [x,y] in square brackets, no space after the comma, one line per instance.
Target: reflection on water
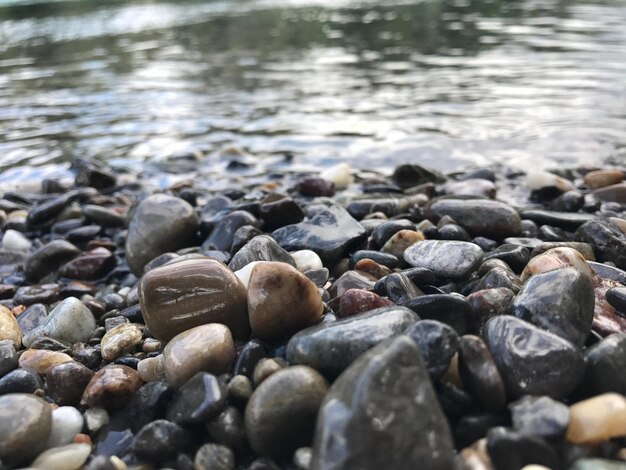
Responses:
[442,82]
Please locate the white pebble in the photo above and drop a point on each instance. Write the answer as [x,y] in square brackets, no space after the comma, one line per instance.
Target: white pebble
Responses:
[96,419]
[542,179]
[66,423]
[13,240]
[306,260]
[69,457]
[339,175]
[244,273]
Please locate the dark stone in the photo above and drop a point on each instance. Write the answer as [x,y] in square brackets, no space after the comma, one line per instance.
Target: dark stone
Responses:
[160,224]
[48,344]
[510,450]
[228,429]
[453,232]
[559,301]
[46,211]
[214,457]
[617,298]
[606,363]
[383,232]
[410,175]
[84,233]
[489,303]
[606,271]
[148,404]
[89,356]
[486,244]
[331,347]
[281,212]
[480,217]
[554,234]
[499,278]
[21,381]
[515,256]
[260,248]
[89,266]
[437,343]
[113,440]
[420,276]
[355,301]
[48,259]
[379,257]
[242,236]
[8,357]
[31,318]
[315,187]
[564,220]
[393,388]
[222,235]
[200,399]
[479,373]
[400,289]
[331,233]
[252,352]
[452,309]
[540,416]
[44,294]
[446,259]
[571,201]
[609,242]
[93,173]
[473,427]
[104,216]
[362,207]
[159,440]
[318,276]
[66,382]
[352,280]
[533,361]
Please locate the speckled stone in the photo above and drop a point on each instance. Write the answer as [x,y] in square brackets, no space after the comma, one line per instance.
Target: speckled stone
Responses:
[111,387]
[186,294]
[445,258]
[119,340]
[65,382]
[207,348]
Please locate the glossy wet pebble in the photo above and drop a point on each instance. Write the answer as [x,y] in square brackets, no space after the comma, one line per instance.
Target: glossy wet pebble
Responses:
[606,362]
[65,382]
[437,343]
[111,387]
[159,440]
[67,421]
[446,259]
[119,340]
[540,416]
[597,419]
[260,248]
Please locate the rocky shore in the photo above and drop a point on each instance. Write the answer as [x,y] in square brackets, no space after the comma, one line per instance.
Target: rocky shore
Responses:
[340,320]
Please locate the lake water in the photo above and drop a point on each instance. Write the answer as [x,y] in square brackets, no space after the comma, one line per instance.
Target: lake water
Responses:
[443,83]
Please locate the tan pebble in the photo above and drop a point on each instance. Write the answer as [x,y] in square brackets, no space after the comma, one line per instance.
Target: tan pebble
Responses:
[119,340]
[281,301]
[597,419]
[557,258]
[9,329]
[207,348]
[369,266]
[473,460]
[400,241]
[111,387]
[42,359]
[240,388]
[601,178]
[265,368]
[151,368]
[452,374]
[619,223]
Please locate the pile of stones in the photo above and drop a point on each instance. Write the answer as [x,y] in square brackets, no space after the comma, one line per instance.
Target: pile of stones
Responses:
[341,320]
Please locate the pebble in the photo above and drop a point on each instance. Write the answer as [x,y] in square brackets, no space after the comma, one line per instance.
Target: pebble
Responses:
[281,413]
[489,303]
[527,357]
[452,309]
[65,382]
[331,347]
[277,210]
[8,357]
[601,178]
[352,280]
[9,328]
[159,440]
[260,248]
[597,419]
[186,294]
[49,258]
[222,235]
[306,260]
[13,240]
[69,457]
[511,450]
[540,180]
[70,321]
[89,266]
[400,241]
[207,348]
[339,175]
[560,301]
[21,381]
[151,368]
[266,367]
[41,360]
[383,232]
[111,387]
[331,233]
[96,419]
[281,301]
[251,353]
[200,399]
[557,258]
[67,422]
[119,340]
[437,343]
[160,223]
[614,193]
[606,362]
[446,259]
[410,175]
[43,293]
[563,220]
[240,388]
[609,242]
[229,429]
[540,416]
[617,298]
[31,318]
[24,427]
[214,457]
[355,301]
[391,420]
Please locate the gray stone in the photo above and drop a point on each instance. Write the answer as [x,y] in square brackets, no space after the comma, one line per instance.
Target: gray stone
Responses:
[48,258]
[260,248]
[448,259]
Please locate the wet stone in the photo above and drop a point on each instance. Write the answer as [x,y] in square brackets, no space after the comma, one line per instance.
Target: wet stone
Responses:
[394,388]
[386,230]
[511,450]
[266,367]
[148,404]
[331,233]
[46,211]
[31,318]
[315,187]
[41,360]
[281,301]
[228,428]
[119,340]
[409,175]
[223,233]
[515,256]
[560,301]
[352,280]
[279,212]
[186,294]
[498,278]
[564,220]
[400,241]
[8,357]
[446,259]
[331,347]
[606,362]
[44,293]
[527,357]
[160,224]
[252,352]
[617,298]
[319,277]
[614,193]
[49,258]
[9,329]
[21,381]
[66,382]
[214,457]
[92,265]
[67,422]
[111,387]
[260,248]
[400,289]
[540,416]
[83,234]
[384,259]
[281,414]
[608,241]
[601,178]
[452,309]
[355,301]
[597,419]
[159,440]
[437,343]
[199,400]
[585,249]
[479,373]
[489,303]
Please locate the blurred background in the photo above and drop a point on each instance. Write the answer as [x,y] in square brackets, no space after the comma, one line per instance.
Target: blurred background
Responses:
[444,83]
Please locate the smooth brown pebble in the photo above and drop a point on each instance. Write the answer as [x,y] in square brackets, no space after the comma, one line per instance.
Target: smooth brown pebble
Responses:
[597,419]
[111,387]
[400,241]
[42,359]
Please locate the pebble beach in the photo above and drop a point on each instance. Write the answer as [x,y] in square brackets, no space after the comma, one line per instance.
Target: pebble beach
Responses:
[340,319]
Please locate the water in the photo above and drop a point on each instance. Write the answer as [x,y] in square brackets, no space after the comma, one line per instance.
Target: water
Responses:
[446,83]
